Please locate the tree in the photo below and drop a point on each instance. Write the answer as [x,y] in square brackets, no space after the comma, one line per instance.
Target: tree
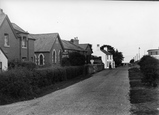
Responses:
[76,59]
[132,61]
[117,56]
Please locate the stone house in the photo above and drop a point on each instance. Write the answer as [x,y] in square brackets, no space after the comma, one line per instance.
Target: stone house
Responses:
[15,42]
[48,49]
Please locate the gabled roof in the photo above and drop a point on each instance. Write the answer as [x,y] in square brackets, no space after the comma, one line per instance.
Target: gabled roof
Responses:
[44,42]
[2,17]
[19,29]
[68,45]
[106,52]
[4,53]
[84,46]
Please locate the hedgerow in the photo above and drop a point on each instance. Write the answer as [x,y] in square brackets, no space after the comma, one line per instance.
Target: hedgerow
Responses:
[22,83]
[149,68]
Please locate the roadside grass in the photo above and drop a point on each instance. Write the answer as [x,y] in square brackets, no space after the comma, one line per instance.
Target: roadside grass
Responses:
[144,100]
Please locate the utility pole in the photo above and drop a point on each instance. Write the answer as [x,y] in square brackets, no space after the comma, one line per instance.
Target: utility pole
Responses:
[139,53]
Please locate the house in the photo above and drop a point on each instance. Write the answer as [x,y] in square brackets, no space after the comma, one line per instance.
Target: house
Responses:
[86,47]
[9,41]
[154,53]
[70,47]
[26,43]
[14,41]
[3,61]
[48,49]
[106,57]
[109,62]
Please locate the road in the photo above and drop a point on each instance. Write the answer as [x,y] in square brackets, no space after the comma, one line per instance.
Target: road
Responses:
[105,93]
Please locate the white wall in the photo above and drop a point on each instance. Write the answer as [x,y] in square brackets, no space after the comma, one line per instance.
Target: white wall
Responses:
[4,61]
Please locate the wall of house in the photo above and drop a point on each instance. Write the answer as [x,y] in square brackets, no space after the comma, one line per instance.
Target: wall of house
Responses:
[46,58]
[4,61]
[31,49]
[57,47]
[13,50]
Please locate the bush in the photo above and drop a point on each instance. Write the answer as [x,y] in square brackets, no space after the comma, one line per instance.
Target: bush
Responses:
[149,68]
[16,64]
[65,61]
[21,83]
[76,59]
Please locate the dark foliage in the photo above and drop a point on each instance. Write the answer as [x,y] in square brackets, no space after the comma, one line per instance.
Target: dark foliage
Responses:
[22,83]
[65,61]
[149,68]
[132,61]
[16,64]
[76,59]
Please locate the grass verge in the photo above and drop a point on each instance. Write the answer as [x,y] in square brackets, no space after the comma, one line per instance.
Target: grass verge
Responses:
[144,99]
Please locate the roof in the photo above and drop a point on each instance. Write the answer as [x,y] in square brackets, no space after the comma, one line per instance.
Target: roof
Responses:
[44,42]
[4,53]
[2,17]
[70,46]
[106,52]
[16,27]
[84,46]
[153,50]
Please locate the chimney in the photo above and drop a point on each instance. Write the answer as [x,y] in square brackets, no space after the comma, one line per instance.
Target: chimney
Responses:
[75,41]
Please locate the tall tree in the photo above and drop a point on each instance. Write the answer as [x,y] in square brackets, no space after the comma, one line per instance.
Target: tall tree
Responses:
[117,56]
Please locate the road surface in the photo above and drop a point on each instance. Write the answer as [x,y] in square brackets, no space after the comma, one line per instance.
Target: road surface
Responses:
[105,93]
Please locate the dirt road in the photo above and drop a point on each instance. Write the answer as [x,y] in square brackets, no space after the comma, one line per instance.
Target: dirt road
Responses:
[105,93]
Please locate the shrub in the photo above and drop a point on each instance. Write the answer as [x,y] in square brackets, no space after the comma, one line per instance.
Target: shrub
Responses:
[16,64]
[149,68]
[65,61]
[76,59]
[22,83]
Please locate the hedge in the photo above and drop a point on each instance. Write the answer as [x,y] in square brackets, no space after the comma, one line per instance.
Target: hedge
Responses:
[22,83]
[149,67]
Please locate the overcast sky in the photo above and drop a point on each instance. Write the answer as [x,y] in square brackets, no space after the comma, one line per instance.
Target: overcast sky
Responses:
[126,26]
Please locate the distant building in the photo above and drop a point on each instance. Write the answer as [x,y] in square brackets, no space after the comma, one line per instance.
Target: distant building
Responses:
[70,47]
[85,46]
[48,49]
[106,57]
[154,53]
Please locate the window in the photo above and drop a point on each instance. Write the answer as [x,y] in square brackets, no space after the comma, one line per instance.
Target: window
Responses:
[6,39]
[59,56]
[54,56]
[24,42]
[41,59]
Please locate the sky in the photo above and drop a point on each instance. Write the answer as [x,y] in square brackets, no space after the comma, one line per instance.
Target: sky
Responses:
[125,25]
